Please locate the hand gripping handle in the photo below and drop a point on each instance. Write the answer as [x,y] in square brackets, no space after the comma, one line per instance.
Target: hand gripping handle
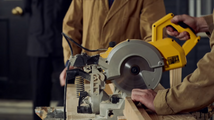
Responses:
[157,32]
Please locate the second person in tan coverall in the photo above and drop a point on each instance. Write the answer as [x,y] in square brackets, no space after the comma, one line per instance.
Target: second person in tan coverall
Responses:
[196,90]
[95,23]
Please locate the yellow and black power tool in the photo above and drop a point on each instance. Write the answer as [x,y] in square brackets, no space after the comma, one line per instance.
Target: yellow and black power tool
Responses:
[138,64]
[129,64]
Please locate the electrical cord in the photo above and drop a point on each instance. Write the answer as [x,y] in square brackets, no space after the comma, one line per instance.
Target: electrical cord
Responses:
[69,44]
[68,38]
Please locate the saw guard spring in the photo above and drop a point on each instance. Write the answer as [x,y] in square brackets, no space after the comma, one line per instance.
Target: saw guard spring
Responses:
[79,82]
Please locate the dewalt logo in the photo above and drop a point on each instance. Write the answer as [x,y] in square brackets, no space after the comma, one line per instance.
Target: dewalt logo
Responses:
[173,59]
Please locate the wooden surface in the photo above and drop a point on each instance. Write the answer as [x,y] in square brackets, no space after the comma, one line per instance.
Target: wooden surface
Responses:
[173,117]
[175,77]
[72,103]
[109,88]
[131,112]
[121,118]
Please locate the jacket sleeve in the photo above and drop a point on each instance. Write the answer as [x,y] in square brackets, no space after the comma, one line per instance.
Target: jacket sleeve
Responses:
[196,90]
[209,20]
[152,11]
[72,27]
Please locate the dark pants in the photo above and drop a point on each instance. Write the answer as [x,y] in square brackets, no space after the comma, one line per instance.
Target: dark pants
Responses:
[43,71]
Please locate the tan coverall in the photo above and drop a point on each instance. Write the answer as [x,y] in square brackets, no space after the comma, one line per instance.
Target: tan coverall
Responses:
[196,90]
[92,24]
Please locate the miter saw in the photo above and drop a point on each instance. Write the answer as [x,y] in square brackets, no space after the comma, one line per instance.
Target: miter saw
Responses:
[128,65]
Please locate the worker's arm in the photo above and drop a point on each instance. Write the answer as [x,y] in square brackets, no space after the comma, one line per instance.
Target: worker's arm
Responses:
[198,24]
[72,26]
[152,11]
[194,93]
[196,90]
[209,20]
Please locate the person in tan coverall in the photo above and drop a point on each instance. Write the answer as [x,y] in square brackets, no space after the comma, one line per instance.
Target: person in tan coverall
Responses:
[196,90]
[94,24]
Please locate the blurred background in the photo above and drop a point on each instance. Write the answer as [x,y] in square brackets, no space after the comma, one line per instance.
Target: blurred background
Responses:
[15,83]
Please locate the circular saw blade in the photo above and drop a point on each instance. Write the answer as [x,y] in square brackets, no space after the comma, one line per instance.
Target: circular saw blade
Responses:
[132,74]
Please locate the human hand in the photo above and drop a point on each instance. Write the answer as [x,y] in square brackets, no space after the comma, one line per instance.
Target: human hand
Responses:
[198,24]
[62,76]
[145,96]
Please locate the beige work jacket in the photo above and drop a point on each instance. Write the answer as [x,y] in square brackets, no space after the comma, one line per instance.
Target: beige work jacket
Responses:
[92,24]
[196,90]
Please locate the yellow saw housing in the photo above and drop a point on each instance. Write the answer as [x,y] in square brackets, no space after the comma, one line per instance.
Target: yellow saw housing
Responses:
[174,55]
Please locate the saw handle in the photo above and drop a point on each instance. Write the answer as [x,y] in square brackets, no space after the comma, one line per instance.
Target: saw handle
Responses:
[184,25]
[157,32]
